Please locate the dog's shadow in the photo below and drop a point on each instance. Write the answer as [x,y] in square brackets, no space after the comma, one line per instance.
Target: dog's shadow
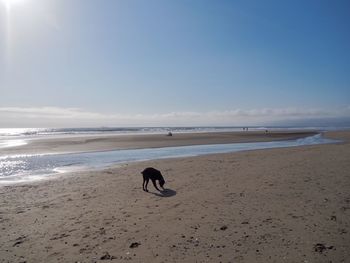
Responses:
[167,192]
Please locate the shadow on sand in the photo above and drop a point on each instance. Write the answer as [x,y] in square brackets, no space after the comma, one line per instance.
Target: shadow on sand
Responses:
[165,193]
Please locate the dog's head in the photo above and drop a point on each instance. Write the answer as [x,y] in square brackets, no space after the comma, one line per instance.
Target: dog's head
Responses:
[161,183]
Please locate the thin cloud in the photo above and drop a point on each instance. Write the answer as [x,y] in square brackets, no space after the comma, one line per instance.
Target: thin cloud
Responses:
[72,117]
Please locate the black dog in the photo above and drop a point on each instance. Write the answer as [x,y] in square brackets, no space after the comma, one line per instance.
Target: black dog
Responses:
[153,174]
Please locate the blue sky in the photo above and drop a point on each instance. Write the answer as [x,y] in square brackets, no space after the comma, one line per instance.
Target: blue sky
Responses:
[162,62]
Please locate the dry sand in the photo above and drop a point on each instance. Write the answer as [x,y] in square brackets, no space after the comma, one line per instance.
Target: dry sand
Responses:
[277,205]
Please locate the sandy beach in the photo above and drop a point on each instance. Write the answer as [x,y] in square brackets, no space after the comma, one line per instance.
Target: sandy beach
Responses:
[276,205]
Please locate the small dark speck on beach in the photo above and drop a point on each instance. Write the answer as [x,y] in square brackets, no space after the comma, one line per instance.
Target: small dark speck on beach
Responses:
[134,245]
[107,256]
[223,228]
[321,247]
[19,240]
[342,231]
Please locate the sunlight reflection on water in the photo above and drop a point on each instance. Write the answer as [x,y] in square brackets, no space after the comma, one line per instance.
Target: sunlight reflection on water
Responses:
[11,143]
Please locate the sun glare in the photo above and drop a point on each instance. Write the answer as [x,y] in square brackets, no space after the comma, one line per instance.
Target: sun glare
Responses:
[9,3]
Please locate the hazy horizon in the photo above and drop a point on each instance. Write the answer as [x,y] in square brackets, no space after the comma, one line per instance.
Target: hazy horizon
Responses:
[88,63]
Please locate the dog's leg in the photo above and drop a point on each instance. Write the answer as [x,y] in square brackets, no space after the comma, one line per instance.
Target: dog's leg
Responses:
[147,180]
[143,184]
[155,185]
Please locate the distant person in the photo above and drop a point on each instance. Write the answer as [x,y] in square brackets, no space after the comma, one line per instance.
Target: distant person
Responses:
[169,134]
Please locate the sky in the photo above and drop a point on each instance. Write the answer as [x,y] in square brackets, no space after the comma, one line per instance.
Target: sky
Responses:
[67,63]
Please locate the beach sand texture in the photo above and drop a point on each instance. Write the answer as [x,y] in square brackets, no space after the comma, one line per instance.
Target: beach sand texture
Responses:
[277,205]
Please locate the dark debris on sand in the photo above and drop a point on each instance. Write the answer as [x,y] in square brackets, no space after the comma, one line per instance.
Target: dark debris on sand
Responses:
[134,245]
[319,247]
[107,256]
[19,241]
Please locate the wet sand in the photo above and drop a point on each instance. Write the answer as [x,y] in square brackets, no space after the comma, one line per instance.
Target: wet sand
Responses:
[113,142]
[276,205]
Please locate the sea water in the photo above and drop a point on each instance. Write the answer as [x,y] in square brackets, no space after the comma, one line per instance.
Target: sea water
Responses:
[23,133]
[22,168]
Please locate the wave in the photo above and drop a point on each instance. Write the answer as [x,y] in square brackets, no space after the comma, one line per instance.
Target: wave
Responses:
[12,132]
[33,132]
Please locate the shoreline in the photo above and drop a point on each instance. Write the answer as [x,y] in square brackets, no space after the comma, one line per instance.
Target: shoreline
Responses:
[36,167]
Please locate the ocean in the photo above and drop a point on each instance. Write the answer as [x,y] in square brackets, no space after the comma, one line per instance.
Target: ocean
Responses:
[9,133]
[35,132]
